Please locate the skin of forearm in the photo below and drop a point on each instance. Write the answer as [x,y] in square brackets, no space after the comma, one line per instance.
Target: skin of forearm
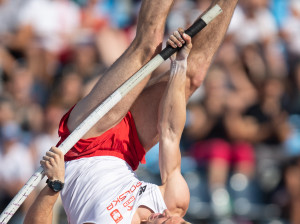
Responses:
[169,160]
[41,210]
[172,109]
[172,119]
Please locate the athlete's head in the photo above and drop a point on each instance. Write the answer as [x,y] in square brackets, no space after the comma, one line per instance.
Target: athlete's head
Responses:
[165,218]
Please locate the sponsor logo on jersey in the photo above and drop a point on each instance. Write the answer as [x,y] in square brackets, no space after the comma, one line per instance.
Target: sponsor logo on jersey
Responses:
[142,190]
[128,202]
[116,216]
[123,196]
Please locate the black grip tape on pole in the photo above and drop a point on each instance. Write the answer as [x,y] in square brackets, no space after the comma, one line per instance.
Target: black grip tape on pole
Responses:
[191,31]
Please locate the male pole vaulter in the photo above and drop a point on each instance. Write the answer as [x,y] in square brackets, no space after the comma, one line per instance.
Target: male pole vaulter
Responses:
[129,135]
[109,191]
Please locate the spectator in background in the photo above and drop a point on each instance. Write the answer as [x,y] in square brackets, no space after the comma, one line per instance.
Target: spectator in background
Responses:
[269,127]
[45,33]
[92,19]
[52,23]
[85,59]
[7,66]
[291,32]
[9,21]
[111,43]
[292,101]
[27,96]
[47,137]
[16,165]
[280,10]
[92,24]
[291,169]
[118,12]
[69,89]
[256,25]
[254,64]
[112,40]
[292,184]
[220,145]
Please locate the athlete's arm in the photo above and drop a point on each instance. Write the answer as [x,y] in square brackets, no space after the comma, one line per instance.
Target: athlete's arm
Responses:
[172,115]
[41,210]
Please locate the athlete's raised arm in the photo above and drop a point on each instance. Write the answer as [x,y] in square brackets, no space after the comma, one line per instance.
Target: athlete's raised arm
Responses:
[172,115]
[41,210]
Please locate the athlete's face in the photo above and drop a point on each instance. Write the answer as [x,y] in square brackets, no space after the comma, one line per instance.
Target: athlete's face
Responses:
[164,218]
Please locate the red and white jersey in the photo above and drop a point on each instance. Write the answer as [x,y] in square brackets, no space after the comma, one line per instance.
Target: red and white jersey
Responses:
[104,189]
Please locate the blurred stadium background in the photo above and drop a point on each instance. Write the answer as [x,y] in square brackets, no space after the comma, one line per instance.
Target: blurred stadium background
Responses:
[241,143]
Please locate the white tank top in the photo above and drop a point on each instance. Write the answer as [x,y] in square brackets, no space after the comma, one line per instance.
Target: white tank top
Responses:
[104,189]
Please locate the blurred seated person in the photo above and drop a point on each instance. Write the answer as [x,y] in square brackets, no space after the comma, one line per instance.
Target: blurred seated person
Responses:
[217,146]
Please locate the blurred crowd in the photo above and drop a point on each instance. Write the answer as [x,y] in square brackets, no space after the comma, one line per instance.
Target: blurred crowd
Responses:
[241,143]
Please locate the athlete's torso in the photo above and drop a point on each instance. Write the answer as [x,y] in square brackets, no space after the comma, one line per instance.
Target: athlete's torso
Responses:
[104,189]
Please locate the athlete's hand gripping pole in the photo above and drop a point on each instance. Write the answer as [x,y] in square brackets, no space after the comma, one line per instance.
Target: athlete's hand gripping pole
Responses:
[103,108]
